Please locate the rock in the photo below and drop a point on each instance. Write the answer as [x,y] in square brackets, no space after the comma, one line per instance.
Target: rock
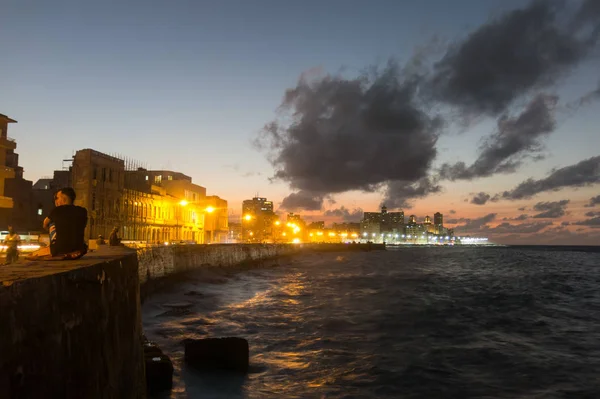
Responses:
[229,353]
[190,293]
[151,349]
[159,373]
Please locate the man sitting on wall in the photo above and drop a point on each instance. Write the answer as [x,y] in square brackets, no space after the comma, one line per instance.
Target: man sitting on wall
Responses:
[66,224]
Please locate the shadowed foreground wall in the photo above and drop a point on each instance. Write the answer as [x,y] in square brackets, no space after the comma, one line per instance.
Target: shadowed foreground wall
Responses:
[72,329]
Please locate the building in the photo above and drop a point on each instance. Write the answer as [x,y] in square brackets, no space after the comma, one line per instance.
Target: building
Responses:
[99,184]
[259,221]
[6,144]
[148,206]
[216,222]
[438,223]
[428,226]
[16,195]
[370,226]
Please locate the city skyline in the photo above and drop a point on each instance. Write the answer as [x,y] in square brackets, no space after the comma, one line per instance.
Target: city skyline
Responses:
[190,87]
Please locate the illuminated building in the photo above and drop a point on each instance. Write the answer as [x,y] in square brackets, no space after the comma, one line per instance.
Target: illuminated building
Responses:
[258,220]
[438,223]
[370,226]
[146,207]
[428,226]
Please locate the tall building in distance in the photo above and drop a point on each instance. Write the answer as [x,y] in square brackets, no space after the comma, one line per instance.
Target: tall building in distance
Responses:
[438,223]
[391,222]
[258,220]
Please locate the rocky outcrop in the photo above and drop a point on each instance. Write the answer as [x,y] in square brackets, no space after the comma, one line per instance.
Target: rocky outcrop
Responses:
[159,369]
[218,354]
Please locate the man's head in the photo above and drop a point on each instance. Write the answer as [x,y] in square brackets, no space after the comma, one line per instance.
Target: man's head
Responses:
[11,230]
[64,196]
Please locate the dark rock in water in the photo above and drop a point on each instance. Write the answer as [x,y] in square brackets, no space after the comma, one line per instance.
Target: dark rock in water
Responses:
[193,293]
[229,353]
[151,349]
[159,373]
[159,368]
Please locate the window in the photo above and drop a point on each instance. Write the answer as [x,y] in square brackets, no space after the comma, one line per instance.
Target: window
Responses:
[146,178]
[94,173]
[157,179]
[169,177]
[40,212]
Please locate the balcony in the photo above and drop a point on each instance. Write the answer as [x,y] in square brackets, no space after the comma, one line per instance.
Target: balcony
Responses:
[7,142]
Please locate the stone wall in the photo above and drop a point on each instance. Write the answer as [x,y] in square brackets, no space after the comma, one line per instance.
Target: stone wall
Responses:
[163,261]
[158,263]
[72,329]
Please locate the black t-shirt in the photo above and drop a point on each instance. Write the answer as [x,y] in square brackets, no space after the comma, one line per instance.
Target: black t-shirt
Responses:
[70,222]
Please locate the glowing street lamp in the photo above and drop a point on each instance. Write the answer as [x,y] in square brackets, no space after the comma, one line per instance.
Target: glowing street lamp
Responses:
[210,209]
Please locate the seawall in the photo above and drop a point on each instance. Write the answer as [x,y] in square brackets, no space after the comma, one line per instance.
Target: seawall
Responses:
[72,329]
[157,265]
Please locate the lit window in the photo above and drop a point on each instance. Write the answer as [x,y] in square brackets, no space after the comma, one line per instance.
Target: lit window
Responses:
[40,212]
[169,177]
[146,178]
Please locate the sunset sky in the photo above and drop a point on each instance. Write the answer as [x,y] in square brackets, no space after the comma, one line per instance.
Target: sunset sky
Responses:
[480,96]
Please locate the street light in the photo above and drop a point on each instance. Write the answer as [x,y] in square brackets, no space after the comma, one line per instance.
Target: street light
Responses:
[210,209]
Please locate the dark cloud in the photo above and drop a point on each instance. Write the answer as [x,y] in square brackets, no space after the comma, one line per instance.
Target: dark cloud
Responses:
[523,228]
[499,62]
[522,209]
[581,174]
[452,211]
[518,218]
[476,224]
[480,199]
[346,214]
[550,210]
[355,134]
[398,193]
[514,140]
[592,214]
[593,202]
[593,222]
[303,200]
[378,131]
[590,97]
[588,15]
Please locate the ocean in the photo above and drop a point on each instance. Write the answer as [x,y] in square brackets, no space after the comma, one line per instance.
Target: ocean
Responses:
[437,322]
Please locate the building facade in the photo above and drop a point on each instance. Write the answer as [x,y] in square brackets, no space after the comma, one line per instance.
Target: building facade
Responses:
[148,206]
[258,221]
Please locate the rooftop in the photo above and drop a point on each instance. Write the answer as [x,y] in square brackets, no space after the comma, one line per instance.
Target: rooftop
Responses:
[9,120]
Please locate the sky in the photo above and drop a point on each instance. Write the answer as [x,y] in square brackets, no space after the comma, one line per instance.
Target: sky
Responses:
[484,110]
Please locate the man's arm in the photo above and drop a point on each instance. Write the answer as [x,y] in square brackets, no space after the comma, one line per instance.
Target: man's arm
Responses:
[46,223]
